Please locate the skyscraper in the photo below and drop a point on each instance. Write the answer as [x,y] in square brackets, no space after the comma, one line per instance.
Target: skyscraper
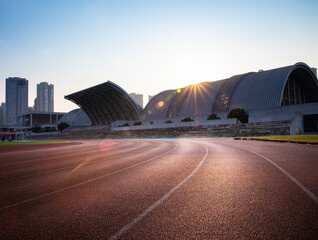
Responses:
[150,97]
[139,98]
[51,98]
[16,98]
[44,101]
[1,116]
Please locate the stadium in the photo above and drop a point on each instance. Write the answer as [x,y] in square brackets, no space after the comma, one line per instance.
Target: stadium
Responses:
[288,94]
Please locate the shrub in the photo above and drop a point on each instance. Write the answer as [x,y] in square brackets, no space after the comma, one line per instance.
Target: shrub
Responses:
[187,119]
[168,121]
[50,130]
[239,114]
[151,122]
[63,125]
[138,123]
[213,116]
[37,129]
[124,125]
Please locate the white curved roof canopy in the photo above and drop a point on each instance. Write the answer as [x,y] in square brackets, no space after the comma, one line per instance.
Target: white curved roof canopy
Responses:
[76,117]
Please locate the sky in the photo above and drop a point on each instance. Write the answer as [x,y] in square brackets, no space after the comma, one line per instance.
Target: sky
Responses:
[149,46]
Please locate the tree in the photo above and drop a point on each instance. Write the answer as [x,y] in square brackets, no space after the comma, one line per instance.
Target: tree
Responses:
[37,129]
[63,125]
[239,114]
[213,116]
[187,119]
[124,125]
[138,123]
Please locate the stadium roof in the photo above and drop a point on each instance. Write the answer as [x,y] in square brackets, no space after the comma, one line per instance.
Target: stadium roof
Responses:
[295,84]
[289,85]
[106,103]
[76,117]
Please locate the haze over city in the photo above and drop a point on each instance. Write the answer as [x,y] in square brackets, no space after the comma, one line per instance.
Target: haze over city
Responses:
[146,46]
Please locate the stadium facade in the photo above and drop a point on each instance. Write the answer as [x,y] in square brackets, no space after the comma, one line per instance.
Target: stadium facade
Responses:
[284,94]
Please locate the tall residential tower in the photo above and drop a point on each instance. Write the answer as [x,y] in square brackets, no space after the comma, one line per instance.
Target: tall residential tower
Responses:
[44,101]
[3,120]
[139,98]
[16,98]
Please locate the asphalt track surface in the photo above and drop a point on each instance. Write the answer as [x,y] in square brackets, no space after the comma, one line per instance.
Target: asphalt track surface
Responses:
[159,189]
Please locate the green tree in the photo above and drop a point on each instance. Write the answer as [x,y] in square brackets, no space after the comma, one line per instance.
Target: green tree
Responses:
[213,116]
[37,129]
[138,123]
[168,121]
[124,125]
[187,119]
[239,114]
[61,126]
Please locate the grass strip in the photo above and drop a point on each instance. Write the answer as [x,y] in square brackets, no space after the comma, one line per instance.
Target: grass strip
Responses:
[288,138]
[24,143]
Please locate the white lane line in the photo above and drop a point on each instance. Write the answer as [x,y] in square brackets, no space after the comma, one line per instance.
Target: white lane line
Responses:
[156,204]
[88,181]
[301,186]
[69,167]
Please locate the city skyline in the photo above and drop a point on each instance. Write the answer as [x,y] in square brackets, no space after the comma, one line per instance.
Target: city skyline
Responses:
[16,100]
[149,47]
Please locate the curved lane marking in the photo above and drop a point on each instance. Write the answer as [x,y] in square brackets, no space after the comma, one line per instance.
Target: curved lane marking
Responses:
[45,153]
[88,181]
[301,186]
[156,204]
[98,160]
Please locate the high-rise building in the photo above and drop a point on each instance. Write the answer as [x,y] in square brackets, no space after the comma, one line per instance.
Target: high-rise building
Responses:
[16,98]
[150,97]
[139,98]
[51,98]
[3,114]
[44,101]
[0,115]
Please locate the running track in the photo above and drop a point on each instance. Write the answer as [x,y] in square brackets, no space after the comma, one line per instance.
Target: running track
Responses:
[159,189]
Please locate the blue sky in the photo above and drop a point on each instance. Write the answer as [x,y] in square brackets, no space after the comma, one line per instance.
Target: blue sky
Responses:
[149,46]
